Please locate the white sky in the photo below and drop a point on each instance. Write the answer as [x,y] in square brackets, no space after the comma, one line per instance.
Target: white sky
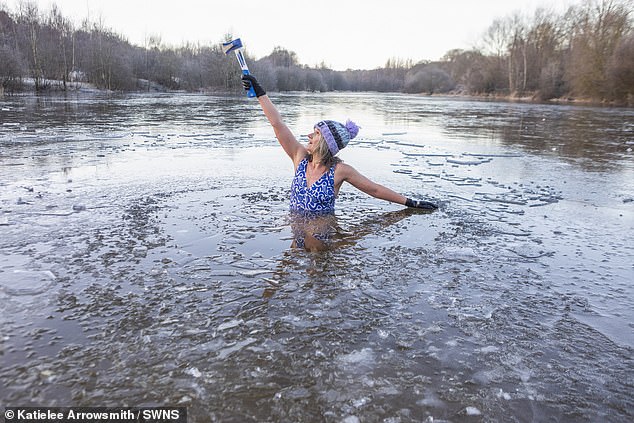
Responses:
[355,34]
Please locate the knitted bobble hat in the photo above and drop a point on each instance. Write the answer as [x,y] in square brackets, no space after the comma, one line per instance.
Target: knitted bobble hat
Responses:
[337,135]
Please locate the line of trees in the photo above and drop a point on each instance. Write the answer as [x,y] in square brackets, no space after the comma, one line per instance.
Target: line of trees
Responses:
[586,52]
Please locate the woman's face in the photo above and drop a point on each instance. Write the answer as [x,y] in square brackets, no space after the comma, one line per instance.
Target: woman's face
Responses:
[313,140]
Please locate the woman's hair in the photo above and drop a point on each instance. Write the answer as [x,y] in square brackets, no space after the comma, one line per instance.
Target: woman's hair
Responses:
[322,151]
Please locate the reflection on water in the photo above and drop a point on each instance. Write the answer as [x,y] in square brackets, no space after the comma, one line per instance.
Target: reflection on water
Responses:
[313,232]
[146,258]
[322,232]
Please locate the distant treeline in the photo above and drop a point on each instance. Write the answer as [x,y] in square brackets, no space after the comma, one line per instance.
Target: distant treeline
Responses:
[585,53]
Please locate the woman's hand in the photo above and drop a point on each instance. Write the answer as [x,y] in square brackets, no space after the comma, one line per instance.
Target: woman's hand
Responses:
[420,204]
[249,81]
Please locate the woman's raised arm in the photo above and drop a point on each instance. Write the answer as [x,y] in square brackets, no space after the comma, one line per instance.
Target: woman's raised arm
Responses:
[293,148]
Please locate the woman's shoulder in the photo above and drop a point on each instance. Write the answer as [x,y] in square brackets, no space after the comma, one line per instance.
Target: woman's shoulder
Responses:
[344,169]
[343,165]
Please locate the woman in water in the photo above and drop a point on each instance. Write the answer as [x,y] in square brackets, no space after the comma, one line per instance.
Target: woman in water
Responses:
[319,174]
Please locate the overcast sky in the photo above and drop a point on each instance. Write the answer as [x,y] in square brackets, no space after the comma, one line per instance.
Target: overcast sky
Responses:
[355,34]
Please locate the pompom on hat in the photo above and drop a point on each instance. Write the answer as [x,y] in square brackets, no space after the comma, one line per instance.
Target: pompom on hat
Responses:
[337,135]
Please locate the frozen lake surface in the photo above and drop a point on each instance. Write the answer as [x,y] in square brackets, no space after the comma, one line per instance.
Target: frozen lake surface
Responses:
[145,259]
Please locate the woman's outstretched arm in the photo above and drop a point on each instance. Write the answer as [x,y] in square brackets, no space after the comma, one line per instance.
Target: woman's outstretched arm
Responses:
[293,148]
[356,179]
[360,182]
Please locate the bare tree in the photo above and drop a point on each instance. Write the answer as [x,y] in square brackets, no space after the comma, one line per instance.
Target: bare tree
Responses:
[544,71]
[59,53]
[620,71]
[12,65]
[517,60]
[599,28]
[29,18]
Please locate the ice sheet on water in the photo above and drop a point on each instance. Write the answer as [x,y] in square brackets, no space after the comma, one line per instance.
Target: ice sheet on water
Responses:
[238,346]
[530,251]
[230,324]
[487,376]
[193,371]
[431,399]
[394,133]
[358,360]
[472,411]
[471,161]
[461,254]
[489,349]
[26,282]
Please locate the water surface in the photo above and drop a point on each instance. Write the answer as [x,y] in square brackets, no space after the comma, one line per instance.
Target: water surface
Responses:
[145,259]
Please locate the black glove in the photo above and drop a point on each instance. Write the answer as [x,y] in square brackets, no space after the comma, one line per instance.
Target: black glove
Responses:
[249,81]
[419,204]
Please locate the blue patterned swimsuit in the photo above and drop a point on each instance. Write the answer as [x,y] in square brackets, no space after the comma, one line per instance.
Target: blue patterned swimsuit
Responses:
[319,198]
